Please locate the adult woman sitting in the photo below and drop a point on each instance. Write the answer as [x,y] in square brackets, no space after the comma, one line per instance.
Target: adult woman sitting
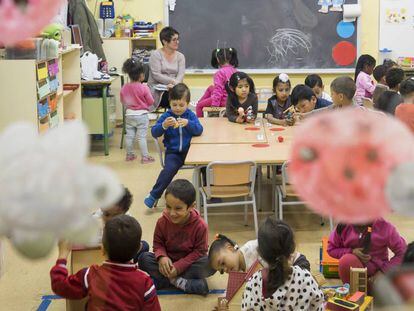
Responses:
[167,67]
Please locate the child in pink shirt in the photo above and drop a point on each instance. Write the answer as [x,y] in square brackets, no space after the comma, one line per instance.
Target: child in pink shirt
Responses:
[367,246]
[136,98]
[216,95]
[364,83]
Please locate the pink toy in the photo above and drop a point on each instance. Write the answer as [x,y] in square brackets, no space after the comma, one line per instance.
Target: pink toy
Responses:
[280,139]
[341,160]
[19,23]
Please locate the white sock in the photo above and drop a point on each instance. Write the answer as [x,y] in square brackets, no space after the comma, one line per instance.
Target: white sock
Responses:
[179,283]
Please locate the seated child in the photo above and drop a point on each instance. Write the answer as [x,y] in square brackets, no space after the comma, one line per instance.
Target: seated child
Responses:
[280,102]
[117,284]
[305,100]
[119,208]
[281,286]
[360,246]
[388,102]
[178,125]
[343,91]
[180,243]
[225,256]
[379,75]
[409,254]
[393,78]
[405,111]
[314,81]
[242,101]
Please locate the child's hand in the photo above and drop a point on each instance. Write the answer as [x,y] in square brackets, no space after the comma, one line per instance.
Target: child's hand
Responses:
[170,86]
[290,122]
[182,122]
[165,266]
[359,252]
[170,121]
[240,111]
[173,273]
[65,248]
[240,119]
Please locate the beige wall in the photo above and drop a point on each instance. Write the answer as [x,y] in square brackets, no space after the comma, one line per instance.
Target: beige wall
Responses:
[153,10]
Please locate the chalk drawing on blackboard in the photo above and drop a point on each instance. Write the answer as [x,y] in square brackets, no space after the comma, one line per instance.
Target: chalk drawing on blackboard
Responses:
[287,40]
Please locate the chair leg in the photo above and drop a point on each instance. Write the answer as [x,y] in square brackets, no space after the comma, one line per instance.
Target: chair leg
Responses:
[259,187]
[123,129]
[268,171]
[280,207]
[205,211]
[245,213]
[256,225]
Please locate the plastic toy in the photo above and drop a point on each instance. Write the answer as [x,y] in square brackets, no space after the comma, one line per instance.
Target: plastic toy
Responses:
[338,304]
[357,298]
[280,139]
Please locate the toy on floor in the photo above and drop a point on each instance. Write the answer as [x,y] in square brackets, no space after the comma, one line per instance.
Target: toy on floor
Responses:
[48,190]
[329,265]
[357,150]
[22,21]
[359,280]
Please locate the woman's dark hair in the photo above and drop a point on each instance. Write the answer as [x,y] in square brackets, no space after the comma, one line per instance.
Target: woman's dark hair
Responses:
[183,190]
[167,33]
[365,238]
[407,87]
[388,101]
[409,254]
[133,68]
[222,56]
[394,76]
[179,91]
[232,84]
[218,244]
[276,244]
[313,80]
[363,60]
[278,80]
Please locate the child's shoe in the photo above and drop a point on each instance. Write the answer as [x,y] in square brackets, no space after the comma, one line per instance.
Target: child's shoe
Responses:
[150,201]
[147,159]
[192,286]
[130,157]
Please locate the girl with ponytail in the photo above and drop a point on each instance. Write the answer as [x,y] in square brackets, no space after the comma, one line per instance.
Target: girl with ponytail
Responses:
[281,286]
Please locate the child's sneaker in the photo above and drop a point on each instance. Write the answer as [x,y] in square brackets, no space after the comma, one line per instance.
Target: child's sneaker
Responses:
[192,286]
[130,157]
[150,201]
[147,159]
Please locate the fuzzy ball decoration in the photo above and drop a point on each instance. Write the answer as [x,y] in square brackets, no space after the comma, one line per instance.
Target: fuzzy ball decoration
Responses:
[48,190]
[341,161]
[21,21]
[400,189]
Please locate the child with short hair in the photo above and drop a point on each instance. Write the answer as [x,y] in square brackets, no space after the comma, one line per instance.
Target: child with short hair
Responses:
[242,101]
[405,111]
[394,77]
[225,59]
[180,243]
[117,283]
[281,286]
[280,102]
[360,246]
[178,125]
[314,81]
[226,256]
[364,84]
[388,102]
[379,74]
[305,100]
[136,98]
[343,91]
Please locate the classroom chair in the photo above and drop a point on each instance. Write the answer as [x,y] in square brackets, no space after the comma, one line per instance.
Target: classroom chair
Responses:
[230,180]
[285,193]
[367,103]
[213,111]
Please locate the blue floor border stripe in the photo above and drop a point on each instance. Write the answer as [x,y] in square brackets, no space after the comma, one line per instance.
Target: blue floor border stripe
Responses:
[165,292]
[44,305]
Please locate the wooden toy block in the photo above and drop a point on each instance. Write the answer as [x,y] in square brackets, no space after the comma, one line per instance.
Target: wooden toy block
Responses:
[357,298]
[358,280]
[338,304]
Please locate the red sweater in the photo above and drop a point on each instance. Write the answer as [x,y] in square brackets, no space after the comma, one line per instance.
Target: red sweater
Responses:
[112,286]
[183,244]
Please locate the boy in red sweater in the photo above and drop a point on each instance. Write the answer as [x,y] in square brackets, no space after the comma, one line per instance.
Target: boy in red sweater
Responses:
[405,111]
[115,285]
[180,243]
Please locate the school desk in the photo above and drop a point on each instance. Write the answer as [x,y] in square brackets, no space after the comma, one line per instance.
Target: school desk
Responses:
[222,131]
[81,258]
[89,114]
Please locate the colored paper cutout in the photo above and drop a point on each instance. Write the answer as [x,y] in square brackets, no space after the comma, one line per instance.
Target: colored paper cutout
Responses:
[344,53]
[277,129]
[252,128]
[260,145]
[345,29]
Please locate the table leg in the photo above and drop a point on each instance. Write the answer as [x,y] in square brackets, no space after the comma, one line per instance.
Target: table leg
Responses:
[259,187]
[105,118]
[196,182]
[274,171]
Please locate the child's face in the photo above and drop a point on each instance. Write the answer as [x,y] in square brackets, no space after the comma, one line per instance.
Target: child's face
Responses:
[178,106]
[306,105]
[242,89]
[110,213]
[226,260]
[178,211]
[282,91]
[318,90]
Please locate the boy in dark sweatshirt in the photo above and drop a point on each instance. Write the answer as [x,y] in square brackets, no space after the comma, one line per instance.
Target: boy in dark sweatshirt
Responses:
[180,243]
[178,125]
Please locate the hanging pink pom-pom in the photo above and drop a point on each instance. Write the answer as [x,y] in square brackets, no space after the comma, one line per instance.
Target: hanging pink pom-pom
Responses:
[341,160]
[19,23]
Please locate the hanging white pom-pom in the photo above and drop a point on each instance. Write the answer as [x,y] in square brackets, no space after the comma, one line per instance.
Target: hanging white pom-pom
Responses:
[400,189]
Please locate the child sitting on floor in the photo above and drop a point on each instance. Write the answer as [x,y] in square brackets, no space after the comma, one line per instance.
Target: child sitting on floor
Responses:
[180,243]
[379,74]
[405,111]
[281,286]
[115,285]
[390,99]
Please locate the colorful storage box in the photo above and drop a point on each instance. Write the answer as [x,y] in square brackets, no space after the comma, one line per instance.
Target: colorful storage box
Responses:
[42,71]
[43,88]
[43,108]
[53,84]
[329,264]
[53,67]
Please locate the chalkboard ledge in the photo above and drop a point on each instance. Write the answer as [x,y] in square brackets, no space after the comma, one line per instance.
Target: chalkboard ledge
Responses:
[275,70]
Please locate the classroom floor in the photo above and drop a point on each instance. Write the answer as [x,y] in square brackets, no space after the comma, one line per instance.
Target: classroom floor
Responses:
[25,282]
